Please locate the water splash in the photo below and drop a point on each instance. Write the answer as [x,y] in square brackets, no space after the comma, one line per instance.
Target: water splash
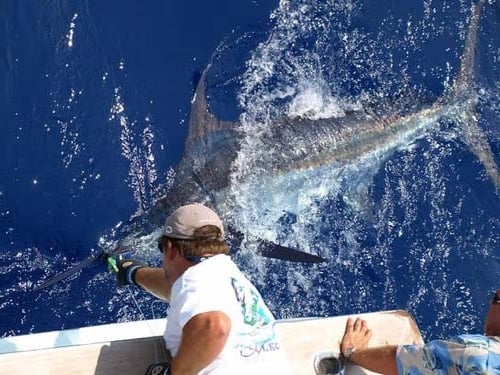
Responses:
[398,231]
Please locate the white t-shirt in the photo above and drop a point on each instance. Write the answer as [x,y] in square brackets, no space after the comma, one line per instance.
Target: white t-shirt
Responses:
[216,284]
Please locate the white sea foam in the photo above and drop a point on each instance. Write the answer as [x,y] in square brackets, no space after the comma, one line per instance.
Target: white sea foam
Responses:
[71,32]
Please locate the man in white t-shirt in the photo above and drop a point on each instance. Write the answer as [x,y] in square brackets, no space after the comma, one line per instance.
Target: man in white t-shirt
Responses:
[217,322]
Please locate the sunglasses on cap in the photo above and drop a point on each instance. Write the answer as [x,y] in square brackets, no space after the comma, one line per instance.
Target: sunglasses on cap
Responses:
[496,297]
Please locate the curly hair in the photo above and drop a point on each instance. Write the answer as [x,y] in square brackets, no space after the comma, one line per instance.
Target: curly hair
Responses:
[206,240]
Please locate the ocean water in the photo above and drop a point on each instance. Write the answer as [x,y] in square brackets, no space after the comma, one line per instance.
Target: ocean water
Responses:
[94,102]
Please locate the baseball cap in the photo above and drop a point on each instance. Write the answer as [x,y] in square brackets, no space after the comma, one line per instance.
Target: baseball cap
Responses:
[183,221]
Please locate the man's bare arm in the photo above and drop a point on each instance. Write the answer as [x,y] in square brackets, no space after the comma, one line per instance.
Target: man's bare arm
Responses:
[203,339]
[153,280]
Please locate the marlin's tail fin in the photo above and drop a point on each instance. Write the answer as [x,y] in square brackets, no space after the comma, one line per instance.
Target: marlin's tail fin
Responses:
[465,77]
[463,94]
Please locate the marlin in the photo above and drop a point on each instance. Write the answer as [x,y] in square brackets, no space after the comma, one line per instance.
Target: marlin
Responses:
[204,173]
[302,144]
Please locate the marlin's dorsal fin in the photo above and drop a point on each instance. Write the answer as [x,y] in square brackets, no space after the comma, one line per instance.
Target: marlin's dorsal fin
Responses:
[201,121]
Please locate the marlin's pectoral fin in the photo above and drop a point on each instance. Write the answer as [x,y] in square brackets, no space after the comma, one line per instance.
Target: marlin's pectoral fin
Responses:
[271,250]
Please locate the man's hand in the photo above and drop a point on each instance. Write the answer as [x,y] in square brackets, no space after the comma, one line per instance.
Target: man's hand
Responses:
[126,271]
[356,337]
[354,346]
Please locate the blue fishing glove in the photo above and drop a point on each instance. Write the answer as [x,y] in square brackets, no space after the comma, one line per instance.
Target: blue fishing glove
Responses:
[126,271]
[158,369]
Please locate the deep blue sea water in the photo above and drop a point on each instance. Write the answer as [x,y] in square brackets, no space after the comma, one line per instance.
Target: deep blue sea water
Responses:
[94,104]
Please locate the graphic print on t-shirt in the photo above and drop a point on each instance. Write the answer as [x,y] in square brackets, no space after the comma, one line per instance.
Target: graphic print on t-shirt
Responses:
[255,312]
[257,342]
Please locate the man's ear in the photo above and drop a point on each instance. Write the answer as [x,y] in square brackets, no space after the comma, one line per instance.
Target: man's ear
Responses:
[172,251]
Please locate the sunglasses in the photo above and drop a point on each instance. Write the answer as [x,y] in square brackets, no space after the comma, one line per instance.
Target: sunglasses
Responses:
[161,241]
[496,297]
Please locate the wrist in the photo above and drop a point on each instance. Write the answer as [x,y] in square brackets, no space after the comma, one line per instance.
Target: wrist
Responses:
[348,352]
[131,272]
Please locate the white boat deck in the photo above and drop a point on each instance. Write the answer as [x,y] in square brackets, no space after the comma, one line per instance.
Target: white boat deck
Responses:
[128,348]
